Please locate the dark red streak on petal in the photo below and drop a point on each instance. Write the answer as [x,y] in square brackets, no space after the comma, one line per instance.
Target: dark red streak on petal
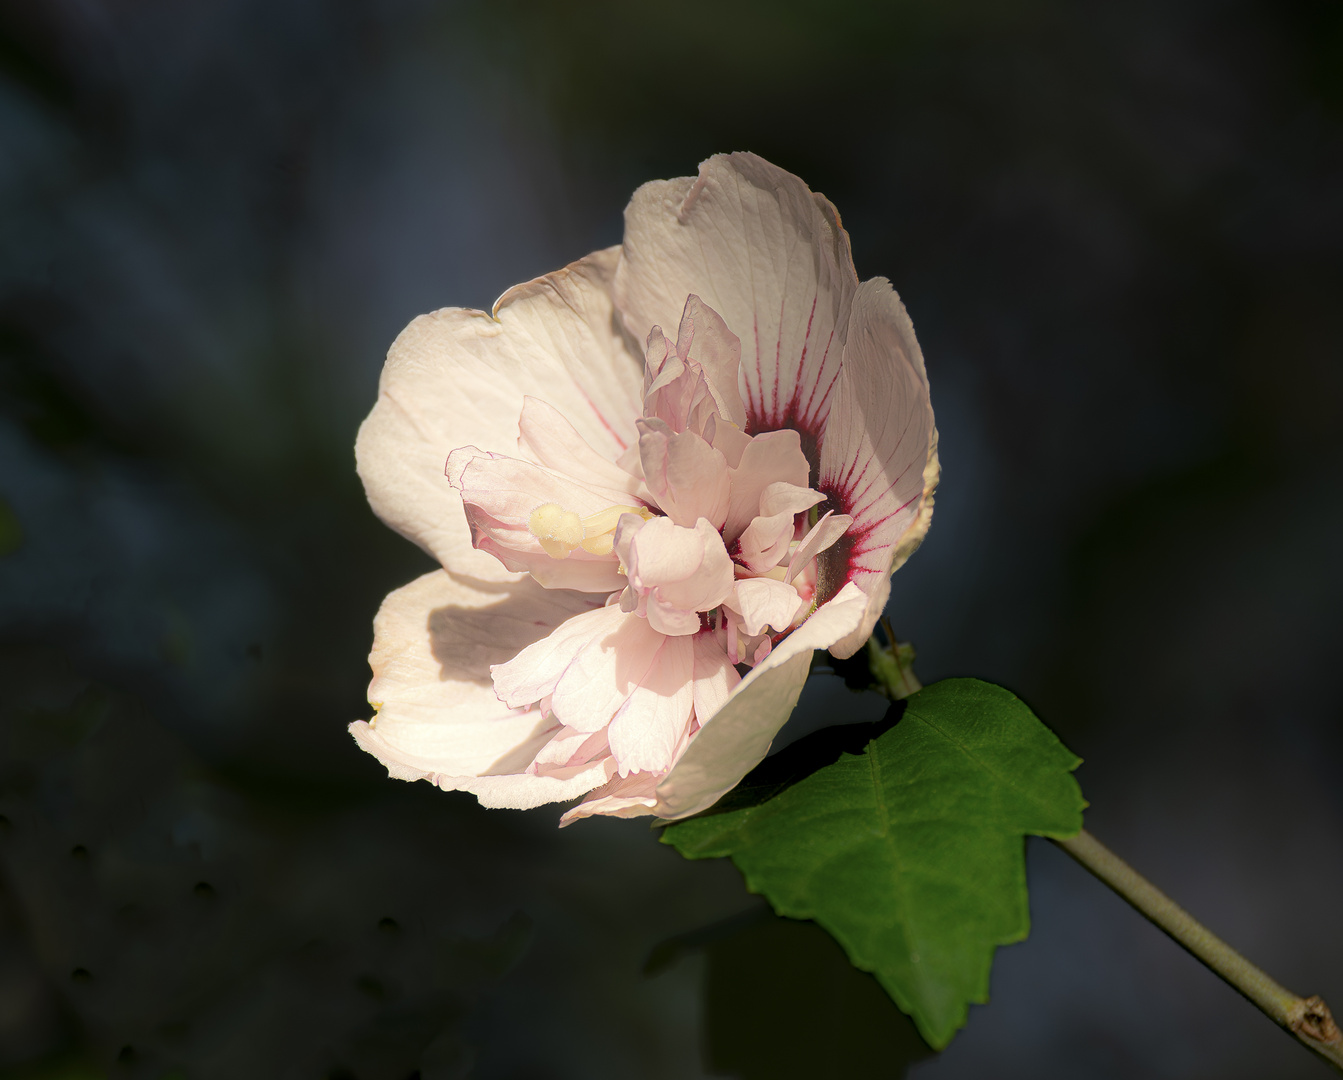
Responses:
[838,565]
[755,405]
[614,434]
[806,338]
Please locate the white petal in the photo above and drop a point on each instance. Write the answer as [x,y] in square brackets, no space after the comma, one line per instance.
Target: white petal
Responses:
[439,718]
[535,672]
[879,458]
[785,498]
[755,244]
[724,751]
[457,377]
[530,674]
[765,542]
[646,731]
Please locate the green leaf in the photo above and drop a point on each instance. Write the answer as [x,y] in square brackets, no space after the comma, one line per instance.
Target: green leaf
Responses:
[911,853]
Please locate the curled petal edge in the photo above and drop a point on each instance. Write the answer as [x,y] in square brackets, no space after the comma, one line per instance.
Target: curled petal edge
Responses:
[507,791]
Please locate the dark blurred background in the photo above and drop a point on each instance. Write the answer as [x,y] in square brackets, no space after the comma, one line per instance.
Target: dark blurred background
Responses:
[1119,230]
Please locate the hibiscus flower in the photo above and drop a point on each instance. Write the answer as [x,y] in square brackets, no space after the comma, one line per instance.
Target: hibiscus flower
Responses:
[657,480]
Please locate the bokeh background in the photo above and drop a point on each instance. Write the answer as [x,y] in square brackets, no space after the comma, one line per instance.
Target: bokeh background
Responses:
[1119,230]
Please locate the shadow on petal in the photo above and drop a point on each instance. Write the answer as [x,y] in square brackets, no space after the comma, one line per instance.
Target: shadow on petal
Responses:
[467,640]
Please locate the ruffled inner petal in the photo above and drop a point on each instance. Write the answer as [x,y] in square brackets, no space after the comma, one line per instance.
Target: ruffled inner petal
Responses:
[502,494]
[766,541]
[764,602]
[646,731]
[601,677]
[704,338]
[533,673]
[715,675]
[725,750]
[774,457]
[686,476]
[676,573]
[821,536]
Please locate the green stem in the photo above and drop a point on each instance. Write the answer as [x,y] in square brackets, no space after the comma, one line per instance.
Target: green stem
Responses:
[892,665]
[1306,1019]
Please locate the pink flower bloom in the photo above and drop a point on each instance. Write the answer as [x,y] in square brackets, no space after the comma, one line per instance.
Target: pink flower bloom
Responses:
[641,552]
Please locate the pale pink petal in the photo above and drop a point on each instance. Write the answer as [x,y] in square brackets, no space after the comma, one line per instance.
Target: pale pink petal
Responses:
[785,498]
[500,494]
[657,351]
[729,441]
[438,717]
[739,736]
[508,488]
[824,534]
[715,675]
[706,339]
[548,439]
[570,749]
[774,457]
[763,602]
[687,477]
[599,679]
[763,252]
[458,377]
[674,572]
[658,551]
[766,540]
[530,674]
[647,729]
[879,459]
[624,796]
[678,395]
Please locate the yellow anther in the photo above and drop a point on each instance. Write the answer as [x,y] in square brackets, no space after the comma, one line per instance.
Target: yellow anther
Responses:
[602,544]
[559,530]
[599,530]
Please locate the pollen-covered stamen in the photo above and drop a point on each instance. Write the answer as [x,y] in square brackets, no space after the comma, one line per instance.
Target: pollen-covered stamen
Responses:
[599,530]
[561,532]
